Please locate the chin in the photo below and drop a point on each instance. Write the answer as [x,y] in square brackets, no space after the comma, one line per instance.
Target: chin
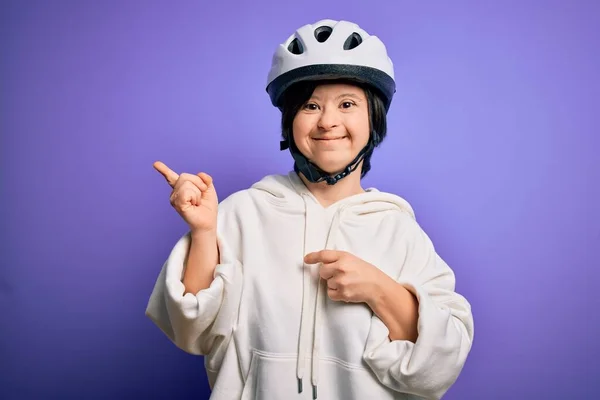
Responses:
[332,167]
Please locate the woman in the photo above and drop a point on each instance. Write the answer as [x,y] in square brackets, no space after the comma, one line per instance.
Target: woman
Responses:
[307,278]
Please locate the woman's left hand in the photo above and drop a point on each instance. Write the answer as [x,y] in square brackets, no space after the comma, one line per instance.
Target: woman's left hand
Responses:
[349,278]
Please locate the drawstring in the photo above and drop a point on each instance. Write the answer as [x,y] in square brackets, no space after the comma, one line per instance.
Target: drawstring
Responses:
[300,363]
[317,338]
[367,206]
[319,304]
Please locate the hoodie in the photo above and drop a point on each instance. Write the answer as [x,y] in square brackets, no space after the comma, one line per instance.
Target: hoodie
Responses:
[268,330]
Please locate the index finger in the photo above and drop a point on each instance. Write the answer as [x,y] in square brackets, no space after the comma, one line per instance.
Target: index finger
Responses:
[323,256]
[170,175]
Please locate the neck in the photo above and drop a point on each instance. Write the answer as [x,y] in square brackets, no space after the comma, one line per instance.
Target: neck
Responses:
[329,194]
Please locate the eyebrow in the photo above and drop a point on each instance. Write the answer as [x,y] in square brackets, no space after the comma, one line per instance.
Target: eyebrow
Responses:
[354,96]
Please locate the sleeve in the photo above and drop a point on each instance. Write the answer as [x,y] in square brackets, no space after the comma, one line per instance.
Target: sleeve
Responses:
[200,324]
[428,367]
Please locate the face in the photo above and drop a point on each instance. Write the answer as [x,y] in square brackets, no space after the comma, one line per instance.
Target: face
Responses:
[332,127]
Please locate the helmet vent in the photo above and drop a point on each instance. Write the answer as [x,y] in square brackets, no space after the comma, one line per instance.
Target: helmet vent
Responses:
[322,33]
[353,41]
[295,47]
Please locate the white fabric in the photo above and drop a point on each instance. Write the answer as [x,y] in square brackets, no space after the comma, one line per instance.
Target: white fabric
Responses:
[266,319]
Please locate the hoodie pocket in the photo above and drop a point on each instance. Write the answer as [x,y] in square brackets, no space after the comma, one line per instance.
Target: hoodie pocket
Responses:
[273,377]
[340,380]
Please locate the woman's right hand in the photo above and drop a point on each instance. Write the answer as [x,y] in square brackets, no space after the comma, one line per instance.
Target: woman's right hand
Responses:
[194,197]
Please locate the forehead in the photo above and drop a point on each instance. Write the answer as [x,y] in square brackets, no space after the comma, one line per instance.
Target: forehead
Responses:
[336,89]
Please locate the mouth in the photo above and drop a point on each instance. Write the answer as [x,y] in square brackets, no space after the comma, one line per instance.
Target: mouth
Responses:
[329,139]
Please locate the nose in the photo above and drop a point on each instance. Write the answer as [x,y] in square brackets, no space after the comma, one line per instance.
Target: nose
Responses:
[329,119]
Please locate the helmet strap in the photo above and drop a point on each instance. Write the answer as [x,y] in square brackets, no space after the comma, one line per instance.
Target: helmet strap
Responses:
[315,174]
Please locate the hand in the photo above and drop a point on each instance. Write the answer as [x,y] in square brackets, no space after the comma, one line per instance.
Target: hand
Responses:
[349,278]
[194,197]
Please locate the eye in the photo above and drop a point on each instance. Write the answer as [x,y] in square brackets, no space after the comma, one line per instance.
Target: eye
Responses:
[311,107]
[347,104]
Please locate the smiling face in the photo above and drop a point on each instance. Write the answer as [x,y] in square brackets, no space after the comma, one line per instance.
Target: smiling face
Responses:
[332,127]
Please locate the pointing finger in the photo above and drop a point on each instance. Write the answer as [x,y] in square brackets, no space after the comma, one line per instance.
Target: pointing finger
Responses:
[170,175]
[323,256]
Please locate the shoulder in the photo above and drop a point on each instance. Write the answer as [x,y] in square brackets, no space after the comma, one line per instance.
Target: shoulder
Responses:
[400,215]
[399,203]
[236,201]
[271,186]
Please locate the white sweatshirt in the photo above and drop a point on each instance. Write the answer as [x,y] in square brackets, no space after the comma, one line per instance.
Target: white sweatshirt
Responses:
[266,325]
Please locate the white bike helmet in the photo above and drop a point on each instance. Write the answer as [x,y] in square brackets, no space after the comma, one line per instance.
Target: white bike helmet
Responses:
[331,49]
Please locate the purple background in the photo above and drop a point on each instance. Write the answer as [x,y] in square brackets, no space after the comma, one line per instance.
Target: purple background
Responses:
[493,138]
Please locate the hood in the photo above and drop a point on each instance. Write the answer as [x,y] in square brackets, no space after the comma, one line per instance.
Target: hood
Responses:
[289,190]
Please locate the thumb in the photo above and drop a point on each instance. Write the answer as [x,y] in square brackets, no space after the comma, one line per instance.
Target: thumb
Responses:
[210,192]
[206,178]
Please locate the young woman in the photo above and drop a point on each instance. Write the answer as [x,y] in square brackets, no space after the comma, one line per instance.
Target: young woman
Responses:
[306,285]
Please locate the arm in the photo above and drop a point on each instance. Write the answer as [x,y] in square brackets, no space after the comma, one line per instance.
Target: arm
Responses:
[196,322]
[397,307]
[202,260]
[195,299]
[431,364]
